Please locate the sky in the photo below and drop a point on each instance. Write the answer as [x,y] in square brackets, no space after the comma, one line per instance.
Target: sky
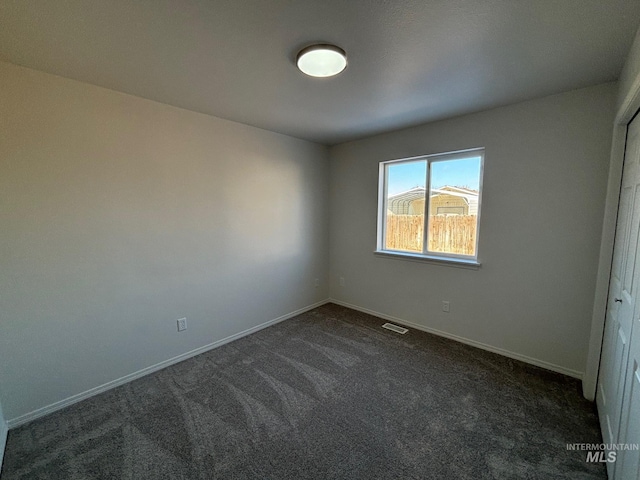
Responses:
[458,173]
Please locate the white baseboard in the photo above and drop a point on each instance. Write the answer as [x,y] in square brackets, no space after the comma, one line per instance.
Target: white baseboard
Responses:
[41,412]
[473,343]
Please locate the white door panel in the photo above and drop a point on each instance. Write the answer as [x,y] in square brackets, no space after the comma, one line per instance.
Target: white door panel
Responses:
[618,396]
[628,462]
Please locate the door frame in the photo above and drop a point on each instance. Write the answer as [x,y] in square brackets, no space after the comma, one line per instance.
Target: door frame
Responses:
[626,111]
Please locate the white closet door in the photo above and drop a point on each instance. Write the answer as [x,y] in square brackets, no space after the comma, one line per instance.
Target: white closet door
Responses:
[628,462]
[623,290]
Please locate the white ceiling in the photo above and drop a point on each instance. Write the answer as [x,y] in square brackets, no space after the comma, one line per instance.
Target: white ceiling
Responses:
[410,61]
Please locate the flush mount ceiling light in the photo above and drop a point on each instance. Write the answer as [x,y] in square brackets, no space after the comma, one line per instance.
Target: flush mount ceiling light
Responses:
[321,60]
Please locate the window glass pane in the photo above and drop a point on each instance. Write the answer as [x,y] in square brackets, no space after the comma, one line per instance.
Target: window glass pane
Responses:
[453,206]
[404,206]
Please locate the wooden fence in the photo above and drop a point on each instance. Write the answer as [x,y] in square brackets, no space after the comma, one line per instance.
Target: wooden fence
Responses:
[447,233]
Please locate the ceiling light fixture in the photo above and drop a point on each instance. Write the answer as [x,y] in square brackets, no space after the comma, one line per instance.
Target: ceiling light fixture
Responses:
[321,60]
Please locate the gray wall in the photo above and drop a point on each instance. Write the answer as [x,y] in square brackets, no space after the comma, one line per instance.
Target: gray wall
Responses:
[545,179]
[121,215]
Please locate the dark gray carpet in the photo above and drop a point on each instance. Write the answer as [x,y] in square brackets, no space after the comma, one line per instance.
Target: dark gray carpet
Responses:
[325,395]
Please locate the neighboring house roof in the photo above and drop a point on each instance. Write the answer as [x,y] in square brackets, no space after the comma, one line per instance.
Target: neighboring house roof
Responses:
[410,195]
[399,203]
[469,191]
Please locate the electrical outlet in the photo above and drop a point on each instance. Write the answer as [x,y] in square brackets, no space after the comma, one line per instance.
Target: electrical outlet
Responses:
[445,306]
[182,324]
[317,282]
[342,282]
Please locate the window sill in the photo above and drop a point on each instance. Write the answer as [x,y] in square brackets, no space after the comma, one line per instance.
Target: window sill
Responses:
[452,262]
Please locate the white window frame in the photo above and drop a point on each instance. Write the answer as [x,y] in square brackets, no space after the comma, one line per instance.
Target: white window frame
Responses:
[439,257]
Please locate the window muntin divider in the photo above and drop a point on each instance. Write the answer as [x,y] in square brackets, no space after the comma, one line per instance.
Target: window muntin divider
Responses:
[427,191]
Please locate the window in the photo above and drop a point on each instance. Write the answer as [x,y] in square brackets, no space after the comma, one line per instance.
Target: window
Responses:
[449,214]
